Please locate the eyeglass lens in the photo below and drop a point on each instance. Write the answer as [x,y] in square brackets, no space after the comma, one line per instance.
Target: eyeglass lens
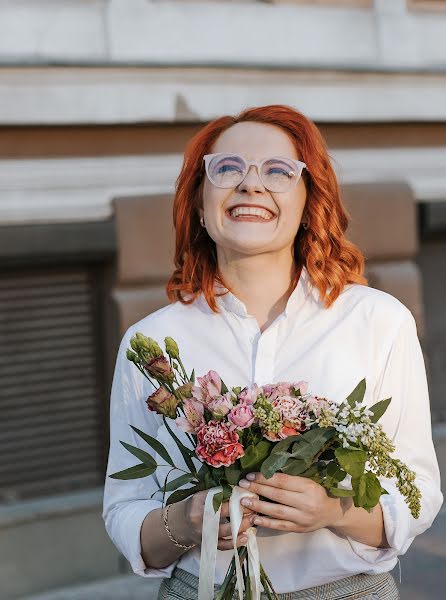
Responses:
[229,170]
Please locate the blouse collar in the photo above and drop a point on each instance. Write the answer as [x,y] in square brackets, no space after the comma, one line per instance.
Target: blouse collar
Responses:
[230,303]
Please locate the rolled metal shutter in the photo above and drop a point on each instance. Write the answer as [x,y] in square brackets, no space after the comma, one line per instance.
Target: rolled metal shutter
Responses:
[51,407]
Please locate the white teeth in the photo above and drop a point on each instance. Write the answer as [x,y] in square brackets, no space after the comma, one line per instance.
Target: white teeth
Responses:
[251,210]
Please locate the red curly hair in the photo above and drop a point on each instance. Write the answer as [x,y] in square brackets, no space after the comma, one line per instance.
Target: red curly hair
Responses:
[330,259]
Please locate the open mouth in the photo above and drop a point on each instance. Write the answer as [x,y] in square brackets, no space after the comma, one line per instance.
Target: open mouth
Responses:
[251,213]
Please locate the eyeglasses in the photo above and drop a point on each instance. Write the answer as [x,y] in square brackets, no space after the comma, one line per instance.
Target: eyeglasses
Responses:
[277,174]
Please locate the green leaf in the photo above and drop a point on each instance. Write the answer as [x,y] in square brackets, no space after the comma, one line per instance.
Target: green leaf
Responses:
[217,500]
[148,460]
[255,454]
[335,472]
[367,490]
[155,444]
[135,472]
[232,474]
[311,442]
[273,463]
[185,452]
[179,481]
[352,461]
[179,495]
[283,445]
[341,493]
[295,466]
[192,376]
[224,388]
[379,409]
[202,471]
[358,394]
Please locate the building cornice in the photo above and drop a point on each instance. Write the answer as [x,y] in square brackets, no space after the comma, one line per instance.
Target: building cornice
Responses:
[75,96]
[72,189]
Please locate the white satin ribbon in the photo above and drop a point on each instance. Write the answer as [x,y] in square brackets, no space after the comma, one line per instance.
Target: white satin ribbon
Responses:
[209,541]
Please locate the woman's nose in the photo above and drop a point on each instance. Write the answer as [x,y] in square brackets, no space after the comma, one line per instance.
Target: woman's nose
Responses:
[251,182]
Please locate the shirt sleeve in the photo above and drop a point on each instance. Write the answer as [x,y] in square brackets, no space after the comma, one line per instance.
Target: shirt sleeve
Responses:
[127,502]
[407,422]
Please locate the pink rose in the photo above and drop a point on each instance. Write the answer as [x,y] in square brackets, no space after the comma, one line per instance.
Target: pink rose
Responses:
[250,394]
[218,446]
[163,403]
[194,416]
[209,386]
[221,405]
[242,416]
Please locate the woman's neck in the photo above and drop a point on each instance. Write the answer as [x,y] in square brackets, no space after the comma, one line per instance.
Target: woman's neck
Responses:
[263,283]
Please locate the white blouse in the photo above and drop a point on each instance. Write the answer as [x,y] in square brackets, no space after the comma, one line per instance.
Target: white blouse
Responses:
[366,333]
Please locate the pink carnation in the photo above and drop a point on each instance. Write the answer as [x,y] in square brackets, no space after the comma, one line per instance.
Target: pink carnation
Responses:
[218,446]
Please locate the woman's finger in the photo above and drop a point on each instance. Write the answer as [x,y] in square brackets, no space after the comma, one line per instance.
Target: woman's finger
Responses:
[277,511]
[225,528]
[226,544]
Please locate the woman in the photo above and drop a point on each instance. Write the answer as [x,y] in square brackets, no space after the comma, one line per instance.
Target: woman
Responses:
[266,289]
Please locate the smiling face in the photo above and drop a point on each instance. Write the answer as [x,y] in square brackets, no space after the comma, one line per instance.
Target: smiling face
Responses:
[274,217]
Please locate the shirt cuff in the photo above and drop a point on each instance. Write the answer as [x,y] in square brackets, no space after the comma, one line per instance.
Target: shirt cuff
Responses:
[397,525]
[130,523]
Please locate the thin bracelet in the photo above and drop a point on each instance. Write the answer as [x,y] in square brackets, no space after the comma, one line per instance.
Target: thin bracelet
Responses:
[165,513]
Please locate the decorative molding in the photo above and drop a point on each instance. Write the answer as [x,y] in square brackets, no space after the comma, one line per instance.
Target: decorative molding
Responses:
[70,96]
[69,190]
[340,34]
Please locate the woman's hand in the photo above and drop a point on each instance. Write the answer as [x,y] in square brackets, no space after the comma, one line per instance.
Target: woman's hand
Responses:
[187,522]
[300,504]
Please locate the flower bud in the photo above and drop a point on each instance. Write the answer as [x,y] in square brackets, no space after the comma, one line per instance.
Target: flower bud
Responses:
[132,356]
[172,348]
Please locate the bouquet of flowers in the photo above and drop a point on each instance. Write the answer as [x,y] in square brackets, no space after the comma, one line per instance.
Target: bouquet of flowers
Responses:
[278,427]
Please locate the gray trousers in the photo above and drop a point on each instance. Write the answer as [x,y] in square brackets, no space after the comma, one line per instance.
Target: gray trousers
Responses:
[184,586]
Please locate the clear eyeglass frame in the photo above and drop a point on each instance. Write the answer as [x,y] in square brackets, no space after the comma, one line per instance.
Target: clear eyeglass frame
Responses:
[300,166]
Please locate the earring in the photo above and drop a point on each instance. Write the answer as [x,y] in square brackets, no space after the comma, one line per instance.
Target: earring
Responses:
[305,225]
[202,223]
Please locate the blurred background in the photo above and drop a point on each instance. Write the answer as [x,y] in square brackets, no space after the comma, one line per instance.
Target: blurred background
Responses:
[97,101]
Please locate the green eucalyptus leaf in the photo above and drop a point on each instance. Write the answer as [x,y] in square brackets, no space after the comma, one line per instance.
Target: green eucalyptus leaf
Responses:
[358,394]
[255,454]
[179,481]
[135,472]
[155,444]
[295,466]
[379,409]
[311,442]
[186,452]
[179,495]
[273,463]
[232,474]
[143,456]
[352,461]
